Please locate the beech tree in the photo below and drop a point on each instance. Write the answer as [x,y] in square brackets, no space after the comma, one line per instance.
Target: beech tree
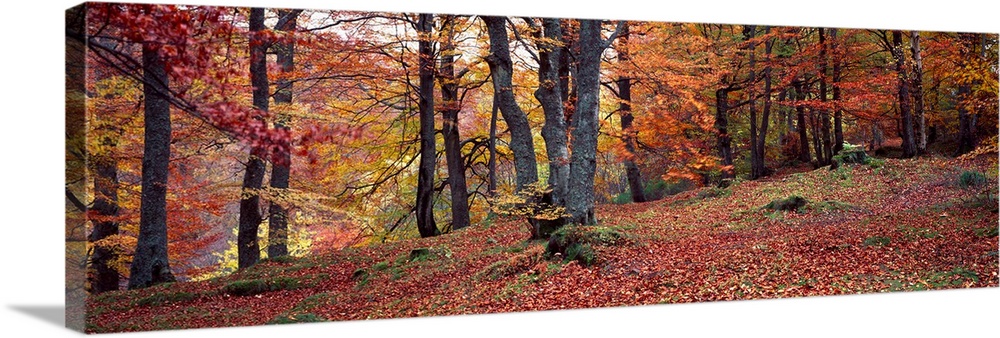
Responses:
[277,223]
[549,94]
[824,114]
[375,75]
[917,90]
[629,133]
[585,124]
[838,114]
[428,154]
[501,70]
[253,176]
[758,132]
[150,265]
[905,100]
[451,106]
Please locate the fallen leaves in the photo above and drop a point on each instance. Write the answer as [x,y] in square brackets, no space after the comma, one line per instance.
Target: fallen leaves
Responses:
[681,249]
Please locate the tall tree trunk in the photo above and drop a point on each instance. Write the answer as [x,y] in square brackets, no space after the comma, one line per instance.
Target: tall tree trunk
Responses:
[903,95]
[759,169]
[824,114]
[628,131]
[817,143]
[428,156]
[785,117]
[800,95]
[492,162]
[452,141]
[150,264]
[277,224]
[583,163]
[554,132]
[917,90]
[248,250]
[564,61]
[549,94]
[966,120]
[838,115]
[724,141]
[749,31]
[104,277]
[966,140]
[501,69]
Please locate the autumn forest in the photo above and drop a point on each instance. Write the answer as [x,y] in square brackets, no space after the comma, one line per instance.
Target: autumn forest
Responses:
[243,166]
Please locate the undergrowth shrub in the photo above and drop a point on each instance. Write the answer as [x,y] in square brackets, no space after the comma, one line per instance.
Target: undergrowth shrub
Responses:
[874,163]
[877,241]
[257,286]
[659,188]
[850,154]
[380,266]
[533,202]
[161,298]
[581,252]
[713,192]
[656,189]
[992,231]
[514,265]
[791,203]
[297,318]
[622,198]
[429,254]
[283,259]
[971,178]
[577,242]
[957,276]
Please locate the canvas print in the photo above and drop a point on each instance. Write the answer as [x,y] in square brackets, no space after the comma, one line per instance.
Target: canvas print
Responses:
[230,166]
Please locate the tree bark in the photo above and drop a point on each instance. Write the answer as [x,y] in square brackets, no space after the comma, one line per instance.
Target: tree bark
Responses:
[428,156]
[628,131]
[917,90]
[492,162]
[756,165]
[800,95]
[824,114]
[248,249]
[966,117]
[838,114]
[759,169]
[580,200]
[277,224]
[565,63]
[549,95]
[724,141]
[817,143]
[150,264]
[452,140]
[501,70]
[903,95]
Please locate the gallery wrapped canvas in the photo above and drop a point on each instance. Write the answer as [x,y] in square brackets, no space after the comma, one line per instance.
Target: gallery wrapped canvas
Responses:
[233,166]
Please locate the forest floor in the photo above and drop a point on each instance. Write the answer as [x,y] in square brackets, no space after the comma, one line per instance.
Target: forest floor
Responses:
[906,225]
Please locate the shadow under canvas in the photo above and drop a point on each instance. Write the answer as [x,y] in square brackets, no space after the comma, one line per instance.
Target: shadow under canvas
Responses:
[52,314]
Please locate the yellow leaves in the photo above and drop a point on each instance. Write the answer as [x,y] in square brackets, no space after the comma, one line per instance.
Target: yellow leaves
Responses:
[121,247]
[528,203]
[987,147]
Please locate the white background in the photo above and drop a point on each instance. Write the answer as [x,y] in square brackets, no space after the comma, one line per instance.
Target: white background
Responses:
[31,211]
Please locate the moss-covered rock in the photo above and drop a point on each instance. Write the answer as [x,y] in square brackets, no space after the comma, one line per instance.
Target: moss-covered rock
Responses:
[792,203]
[577,242]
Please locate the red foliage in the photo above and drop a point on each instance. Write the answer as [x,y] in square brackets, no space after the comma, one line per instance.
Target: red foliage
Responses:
[898,233]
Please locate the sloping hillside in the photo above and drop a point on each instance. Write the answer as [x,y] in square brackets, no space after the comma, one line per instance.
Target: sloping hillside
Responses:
[904,225]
